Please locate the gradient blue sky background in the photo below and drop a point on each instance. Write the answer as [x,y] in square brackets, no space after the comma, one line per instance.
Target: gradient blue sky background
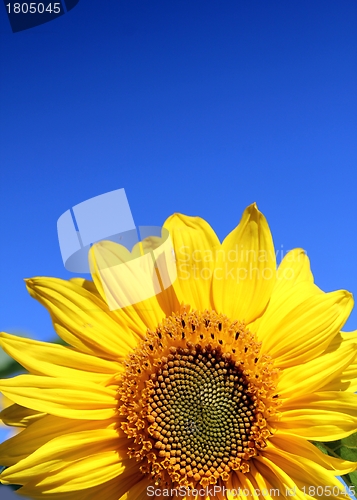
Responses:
[200,107]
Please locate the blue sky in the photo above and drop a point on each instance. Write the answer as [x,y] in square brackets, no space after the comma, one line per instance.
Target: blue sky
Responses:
[200,107]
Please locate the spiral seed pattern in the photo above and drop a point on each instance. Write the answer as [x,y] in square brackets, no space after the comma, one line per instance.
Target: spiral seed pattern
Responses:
[203,411]
[195,400]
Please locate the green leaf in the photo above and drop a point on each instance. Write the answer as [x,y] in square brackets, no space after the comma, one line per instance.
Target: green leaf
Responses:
[321,447]
[351,480]
[11,369]
[5,360]
[8,365]
[347,448]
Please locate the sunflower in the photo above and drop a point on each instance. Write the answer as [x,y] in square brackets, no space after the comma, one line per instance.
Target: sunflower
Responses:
[215,386]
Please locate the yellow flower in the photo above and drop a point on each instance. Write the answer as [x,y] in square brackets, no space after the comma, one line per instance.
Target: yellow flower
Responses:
[217,384]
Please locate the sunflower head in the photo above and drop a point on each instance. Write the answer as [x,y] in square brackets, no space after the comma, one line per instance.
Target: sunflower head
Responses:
[196,395]
[221,378]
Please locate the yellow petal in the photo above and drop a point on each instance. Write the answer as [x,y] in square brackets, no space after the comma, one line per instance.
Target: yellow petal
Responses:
[306,452]
[58,458]
[195,245]
[298,327]
[122,281]
[39,433]
[242,483]
[87,285]
[61,396]
[110,490]
[138,491]
[268,485]
[322,416]
[294,268]
[347,380]
[81,319]
[43,358]
[245,270]
[304,472]
[281,481]
[315,374]
[128,317]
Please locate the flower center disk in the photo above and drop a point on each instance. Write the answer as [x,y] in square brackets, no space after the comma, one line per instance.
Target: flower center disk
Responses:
[195,399]
[202,409]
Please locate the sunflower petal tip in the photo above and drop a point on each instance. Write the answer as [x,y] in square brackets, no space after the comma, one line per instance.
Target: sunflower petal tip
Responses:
[29,282]
[30,286]
[253,207]
[300,251]
[177,216]
[254,211]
